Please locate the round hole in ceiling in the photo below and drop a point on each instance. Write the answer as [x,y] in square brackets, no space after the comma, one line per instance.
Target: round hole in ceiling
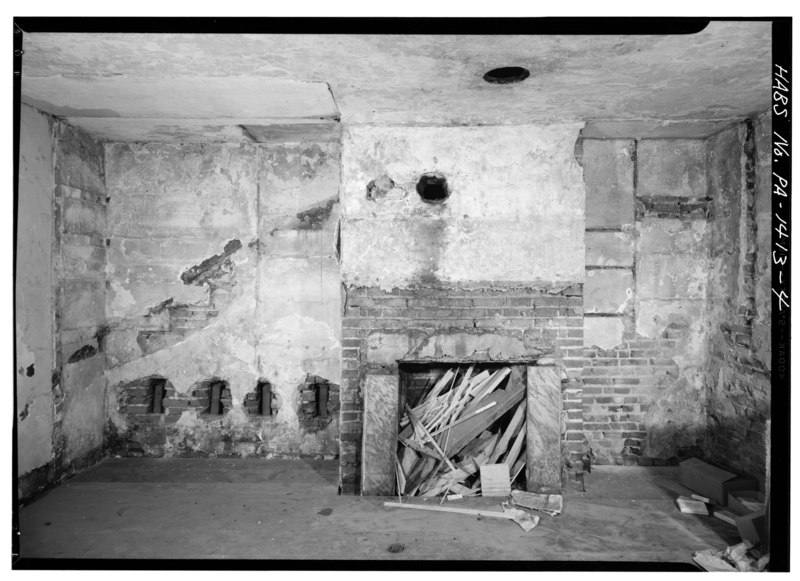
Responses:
[506,75]
[432,188]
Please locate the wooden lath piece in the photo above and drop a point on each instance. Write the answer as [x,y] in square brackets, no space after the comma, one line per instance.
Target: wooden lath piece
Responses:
[491,385]
[427,435]
[463,433]
[452,401]
[514,453]
[511,431]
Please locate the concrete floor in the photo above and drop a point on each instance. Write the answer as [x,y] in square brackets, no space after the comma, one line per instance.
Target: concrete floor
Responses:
[177,508]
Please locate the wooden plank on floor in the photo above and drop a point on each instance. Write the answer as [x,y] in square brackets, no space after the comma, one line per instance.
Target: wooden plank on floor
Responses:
[438,508]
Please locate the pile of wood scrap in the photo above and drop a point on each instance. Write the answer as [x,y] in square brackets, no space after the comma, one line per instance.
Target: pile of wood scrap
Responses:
[465,421]
[743,557]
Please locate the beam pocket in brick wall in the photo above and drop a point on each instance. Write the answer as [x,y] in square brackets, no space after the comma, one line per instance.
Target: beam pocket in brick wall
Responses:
[262,401]
[144,395]
[211,397]
[318,403]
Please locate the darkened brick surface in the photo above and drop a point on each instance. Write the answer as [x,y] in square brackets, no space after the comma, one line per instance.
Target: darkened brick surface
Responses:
[618,392]
[738,374]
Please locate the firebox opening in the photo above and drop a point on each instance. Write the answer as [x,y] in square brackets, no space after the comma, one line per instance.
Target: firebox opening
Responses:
[474,413]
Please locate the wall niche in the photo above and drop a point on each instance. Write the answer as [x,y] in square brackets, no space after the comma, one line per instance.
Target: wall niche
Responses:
[318,403]
[144,396]
[262,401]
[213,397]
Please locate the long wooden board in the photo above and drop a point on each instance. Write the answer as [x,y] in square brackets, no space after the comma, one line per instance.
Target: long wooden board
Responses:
[438,508]
[510,432]
[513,454]
[428,436]
[504,400]
[491,385]
[464,419]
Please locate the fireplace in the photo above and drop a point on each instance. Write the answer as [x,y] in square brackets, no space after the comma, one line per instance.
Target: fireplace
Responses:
[385,397]
[385,334]
[384,331]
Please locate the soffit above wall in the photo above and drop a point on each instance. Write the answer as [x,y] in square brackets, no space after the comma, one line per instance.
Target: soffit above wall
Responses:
[692,129]
[719,74]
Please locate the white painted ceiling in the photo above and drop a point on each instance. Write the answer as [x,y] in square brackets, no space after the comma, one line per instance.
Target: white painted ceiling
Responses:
[246,87]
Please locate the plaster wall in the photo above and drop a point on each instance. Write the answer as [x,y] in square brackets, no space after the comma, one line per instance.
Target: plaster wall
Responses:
[222,265]
[80,208]
[514,214]
[645,322]
[60,290]
[34,293]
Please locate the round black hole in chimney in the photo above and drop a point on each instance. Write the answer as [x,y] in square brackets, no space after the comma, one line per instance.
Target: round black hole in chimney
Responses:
[506,75]
[432,188]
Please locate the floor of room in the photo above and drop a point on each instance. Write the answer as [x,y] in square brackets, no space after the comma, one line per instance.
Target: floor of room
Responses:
[182,508]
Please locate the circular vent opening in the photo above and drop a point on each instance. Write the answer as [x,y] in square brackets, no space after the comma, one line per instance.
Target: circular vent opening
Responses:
[432,188]
[506,75]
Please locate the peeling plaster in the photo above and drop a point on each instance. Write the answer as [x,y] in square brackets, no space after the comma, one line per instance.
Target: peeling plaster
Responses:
[121,299]
[212,267]
[501,179]
[485,346]
[34,328]
[275,315]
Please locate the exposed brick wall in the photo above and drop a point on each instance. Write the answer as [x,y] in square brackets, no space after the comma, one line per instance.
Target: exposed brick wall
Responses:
[230,254]
[618,391]
[149,433]
[738,374]
[261,401]
[318,403]
[644,297]
[685,363]
[672,207]
[550,322]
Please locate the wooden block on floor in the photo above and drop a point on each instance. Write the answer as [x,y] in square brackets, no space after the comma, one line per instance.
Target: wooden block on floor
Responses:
[495,480]
[726,516]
